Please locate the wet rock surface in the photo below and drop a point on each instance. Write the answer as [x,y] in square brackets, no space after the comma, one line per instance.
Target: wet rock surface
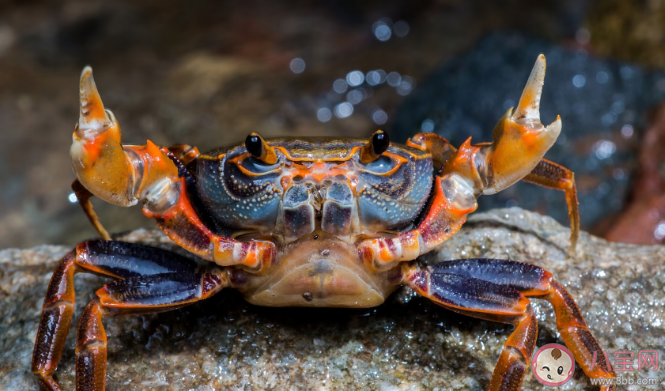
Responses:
[603,103]
[407,343]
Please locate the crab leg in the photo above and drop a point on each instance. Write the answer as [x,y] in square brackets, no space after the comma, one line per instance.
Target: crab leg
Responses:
[440,149]
[555,176]
[123,261]
[113,259]
[83,196]
[476,281]
[136,295]
[488,301]
[520,141]
[126,174]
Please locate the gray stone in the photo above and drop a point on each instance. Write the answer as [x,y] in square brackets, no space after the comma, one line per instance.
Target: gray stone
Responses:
[408,343]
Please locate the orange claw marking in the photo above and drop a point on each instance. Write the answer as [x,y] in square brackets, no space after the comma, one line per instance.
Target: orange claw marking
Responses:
[181,223]
[436,145]
[443,220]
[462,162]
[185,153]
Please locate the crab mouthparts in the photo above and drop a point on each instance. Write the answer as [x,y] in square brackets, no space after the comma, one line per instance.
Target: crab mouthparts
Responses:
[319,270]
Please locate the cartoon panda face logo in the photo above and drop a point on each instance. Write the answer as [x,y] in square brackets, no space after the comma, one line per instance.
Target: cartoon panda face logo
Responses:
[553,365]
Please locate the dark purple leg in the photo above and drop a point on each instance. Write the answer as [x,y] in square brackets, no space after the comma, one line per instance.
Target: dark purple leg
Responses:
[118,260]
[495,289]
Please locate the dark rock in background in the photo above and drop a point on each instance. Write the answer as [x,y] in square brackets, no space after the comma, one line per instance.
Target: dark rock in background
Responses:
[643,219]
[603,105]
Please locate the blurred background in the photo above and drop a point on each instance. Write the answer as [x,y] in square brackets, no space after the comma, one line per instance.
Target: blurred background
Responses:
[207,73]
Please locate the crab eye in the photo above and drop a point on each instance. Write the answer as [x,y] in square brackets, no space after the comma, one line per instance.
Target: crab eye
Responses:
[254,145]
[376,146]
[380,142]
[257,147]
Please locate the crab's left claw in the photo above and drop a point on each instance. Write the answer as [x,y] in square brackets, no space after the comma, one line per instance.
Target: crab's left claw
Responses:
[520,142]
[520,139]
[116,173]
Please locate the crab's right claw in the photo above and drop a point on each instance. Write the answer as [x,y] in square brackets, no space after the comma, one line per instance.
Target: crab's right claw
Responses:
[520,139]
[98,158]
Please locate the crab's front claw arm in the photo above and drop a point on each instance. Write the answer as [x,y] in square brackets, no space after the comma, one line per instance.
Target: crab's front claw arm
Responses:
[126,174]
[121,175]
[520,142]
[520,139]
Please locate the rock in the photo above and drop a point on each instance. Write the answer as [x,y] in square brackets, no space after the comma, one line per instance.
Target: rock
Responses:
[407,343]
[602,102]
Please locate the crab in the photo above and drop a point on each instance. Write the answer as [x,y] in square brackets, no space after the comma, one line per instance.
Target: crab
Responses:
[314,222]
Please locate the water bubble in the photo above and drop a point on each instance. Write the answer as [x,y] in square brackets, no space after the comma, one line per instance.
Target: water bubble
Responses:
[401,28]
[383,76]
[340,86]
[343,110]
[394,79]
[72,198]
[604,149]
[355,78]
[608,119]
[602,77]
[382,29]
[379,117]
[659,232]
[579,81]
[354,97]
[382,32]
[427,126]
[324,114]
[627,131]
[375,77]
[405,85]
[618,107]
[297,65]
[626,72]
